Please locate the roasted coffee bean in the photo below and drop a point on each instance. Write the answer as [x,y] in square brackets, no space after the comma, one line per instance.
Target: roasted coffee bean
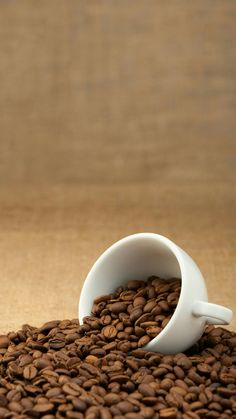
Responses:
[4,412]
[166,384]
[48,326]
[147,324]
[139,331]
[43,408]
[168,413]
[30,372]
[134,284]
[109,332]
[184,362]
[179,372]
[57,343]
[139,302]
[153,331]
[146,390]
[143,318]
[15,407]
[149,306]
[156,311]
[4,342]
[125,406]
[72,389]
[127,295]
[102,298]
[143,340]
[112,398]
[105,413]
[118,307]
[135,314]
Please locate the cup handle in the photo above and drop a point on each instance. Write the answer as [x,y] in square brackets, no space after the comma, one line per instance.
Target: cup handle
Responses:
[214,313]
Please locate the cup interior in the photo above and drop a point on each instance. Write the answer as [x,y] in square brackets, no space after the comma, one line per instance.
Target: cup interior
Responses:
[134,257]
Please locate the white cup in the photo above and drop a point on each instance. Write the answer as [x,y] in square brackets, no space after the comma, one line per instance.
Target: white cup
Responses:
[144,254]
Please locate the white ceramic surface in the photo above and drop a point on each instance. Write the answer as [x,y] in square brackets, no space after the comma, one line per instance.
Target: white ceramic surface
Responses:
[144,254]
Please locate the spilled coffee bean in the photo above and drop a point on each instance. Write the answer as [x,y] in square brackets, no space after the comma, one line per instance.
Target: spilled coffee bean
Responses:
[98,371]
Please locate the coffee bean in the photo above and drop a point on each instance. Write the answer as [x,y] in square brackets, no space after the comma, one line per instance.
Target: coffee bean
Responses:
[112,398]
[124,346]
[156,311]
[143,341]
[179,372]
[4,341]
[204,369]
[169,413]
[146,390]
[79,405]
[102,298]
[3,412]
[166,384]
[119,378]
[132,415]
[99,352]
[153,331]
[127,295]
[26,403]
[15,407]
[109,332]
[147,412]
[122,335]
[125,406]
[49,326]
[149,401]
[105,413]
[57,343]
[142,319]
[195,377]
[139,331]
[14,395]
[53,392]
[134,284]
[231,342]
[164,305]
[3,400]
[118,307]
[184,362]
[139,301]
[71,389]
[149,306]
[73,415]
[43,408]
[30,372]
[135,314]
[165,322]
[147,324]
[179,390]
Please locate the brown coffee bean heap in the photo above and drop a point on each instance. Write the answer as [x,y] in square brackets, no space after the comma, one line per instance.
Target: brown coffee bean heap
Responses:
[133,315]
[64,370]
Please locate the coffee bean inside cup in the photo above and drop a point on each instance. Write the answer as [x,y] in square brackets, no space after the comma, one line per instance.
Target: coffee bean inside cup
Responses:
[136,313]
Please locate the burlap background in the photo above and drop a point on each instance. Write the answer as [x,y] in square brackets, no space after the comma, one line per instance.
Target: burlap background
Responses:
[115,117]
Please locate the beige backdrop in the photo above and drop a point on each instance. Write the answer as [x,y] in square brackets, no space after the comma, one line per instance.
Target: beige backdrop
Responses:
[116,117]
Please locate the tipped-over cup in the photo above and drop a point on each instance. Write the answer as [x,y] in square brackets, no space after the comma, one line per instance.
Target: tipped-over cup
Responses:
[140,256]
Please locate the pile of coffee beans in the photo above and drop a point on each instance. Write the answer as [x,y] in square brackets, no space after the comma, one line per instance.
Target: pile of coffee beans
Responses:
[133,315]
[67,370]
